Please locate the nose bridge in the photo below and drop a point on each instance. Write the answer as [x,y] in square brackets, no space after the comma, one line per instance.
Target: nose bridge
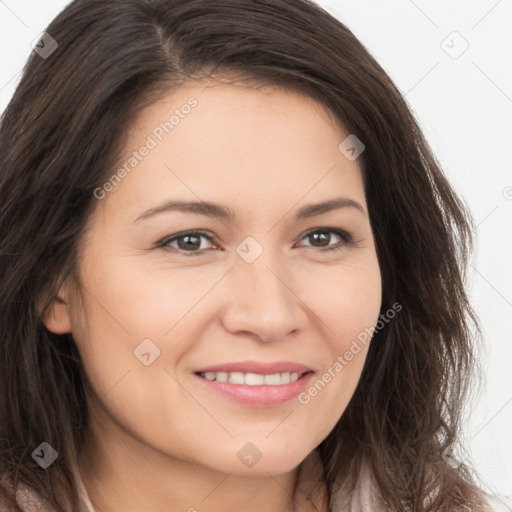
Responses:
[261,298]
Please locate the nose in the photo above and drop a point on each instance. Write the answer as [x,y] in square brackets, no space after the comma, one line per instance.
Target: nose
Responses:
[261,301]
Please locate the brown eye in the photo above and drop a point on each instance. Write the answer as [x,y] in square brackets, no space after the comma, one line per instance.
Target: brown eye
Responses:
[187,242]
[321,238]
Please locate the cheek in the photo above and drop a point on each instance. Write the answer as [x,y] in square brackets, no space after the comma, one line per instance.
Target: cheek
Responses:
[132,300]
[125,304]
[348,306]
[346,297]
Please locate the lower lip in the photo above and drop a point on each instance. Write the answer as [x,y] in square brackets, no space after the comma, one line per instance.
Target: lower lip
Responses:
[258,396]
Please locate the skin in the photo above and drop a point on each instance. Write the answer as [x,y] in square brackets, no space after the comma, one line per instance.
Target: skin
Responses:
[158,440]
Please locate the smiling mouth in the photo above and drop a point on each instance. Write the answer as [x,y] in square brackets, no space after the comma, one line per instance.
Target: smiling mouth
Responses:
[253,379]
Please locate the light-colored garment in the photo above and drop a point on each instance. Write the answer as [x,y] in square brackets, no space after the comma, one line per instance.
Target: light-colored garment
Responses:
[29,501]
[365,501]
[87,505]
[500,503]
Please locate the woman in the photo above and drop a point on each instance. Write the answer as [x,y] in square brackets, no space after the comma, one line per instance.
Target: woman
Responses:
[315,351]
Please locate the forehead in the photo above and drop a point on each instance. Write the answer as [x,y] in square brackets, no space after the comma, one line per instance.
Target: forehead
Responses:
[251,146]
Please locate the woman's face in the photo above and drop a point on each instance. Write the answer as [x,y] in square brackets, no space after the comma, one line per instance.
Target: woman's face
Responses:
[254,295]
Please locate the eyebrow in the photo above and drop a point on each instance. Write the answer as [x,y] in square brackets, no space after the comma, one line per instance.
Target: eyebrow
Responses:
[219,211]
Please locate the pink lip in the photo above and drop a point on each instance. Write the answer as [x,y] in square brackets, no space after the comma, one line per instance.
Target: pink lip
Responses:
[261,395]
[257,367]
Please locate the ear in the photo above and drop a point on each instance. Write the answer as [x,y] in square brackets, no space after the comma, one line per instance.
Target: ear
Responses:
[57,318]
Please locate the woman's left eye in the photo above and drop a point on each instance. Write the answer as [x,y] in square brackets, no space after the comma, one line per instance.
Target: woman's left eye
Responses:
[190,241]
[324,235]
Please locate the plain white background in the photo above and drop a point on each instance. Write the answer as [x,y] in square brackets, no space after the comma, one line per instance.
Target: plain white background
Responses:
[452,61]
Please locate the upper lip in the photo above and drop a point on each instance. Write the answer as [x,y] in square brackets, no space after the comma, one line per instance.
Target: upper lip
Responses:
[257,367]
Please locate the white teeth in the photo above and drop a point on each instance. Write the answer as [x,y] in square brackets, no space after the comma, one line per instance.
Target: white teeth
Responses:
[221,376]
[236,378]
[273,379]
[252,379]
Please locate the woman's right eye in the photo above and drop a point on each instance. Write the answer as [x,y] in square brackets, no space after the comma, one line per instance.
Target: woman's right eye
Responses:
[187,242]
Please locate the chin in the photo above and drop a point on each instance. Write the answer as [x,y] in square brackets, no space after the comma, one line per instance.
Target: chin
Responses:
[257,459]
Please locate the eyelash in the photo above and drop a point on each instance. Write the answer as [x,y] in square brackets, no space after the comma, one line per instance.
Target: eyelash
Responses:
[346,237]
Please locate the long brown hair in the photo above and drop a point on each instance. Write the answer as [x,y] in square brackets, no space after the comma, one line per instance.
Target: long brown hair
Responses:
[60,138]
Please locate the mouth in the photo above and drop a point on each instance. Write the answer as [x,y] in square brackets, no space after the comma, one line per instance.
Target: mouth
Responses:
[253,379]
[256,384]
